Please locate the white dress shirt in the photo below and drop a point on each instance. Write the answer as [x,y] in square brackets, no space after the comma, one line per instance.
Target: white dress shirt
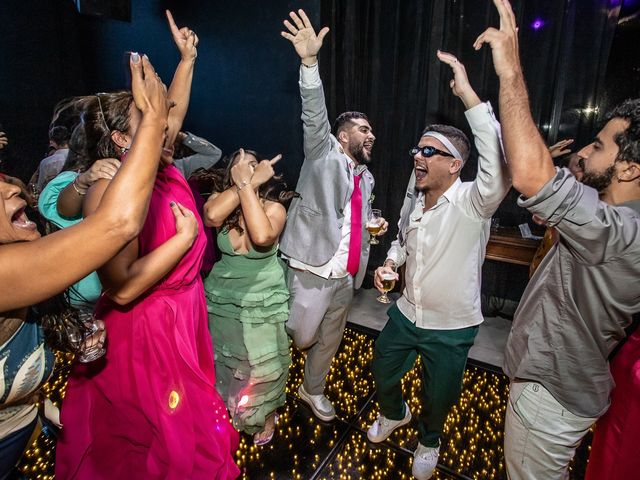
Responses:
[445,246]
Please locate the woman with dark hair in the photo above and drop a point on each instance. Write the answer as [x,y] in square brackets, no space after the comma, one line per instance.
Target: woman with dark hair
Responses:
[247,294]
[149,408]
[78,174]
[34,268]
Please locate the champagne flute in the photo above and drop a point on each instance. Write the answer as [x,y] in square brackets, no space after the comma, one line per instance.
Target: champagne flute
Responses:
[374,225]
[388,280]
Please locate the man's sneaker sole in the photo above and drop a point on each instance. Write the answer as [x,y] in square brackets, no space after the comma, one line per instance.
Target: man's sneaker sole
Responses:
[305,398]
[403,422]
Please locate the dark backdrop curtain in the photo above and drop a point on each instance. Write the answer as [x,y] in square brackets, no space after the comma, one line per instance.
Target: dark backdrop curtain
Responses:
[380,59]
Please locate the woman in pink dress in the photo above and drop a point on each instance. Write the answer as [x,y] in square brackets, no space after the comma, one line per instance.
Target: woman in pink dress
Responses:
[615,449]
[149,409]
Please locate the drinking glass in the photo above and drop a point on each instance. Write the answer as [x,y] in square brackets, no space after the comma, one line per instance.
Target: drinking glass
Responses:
[388,282]
[91,346]
[374,225]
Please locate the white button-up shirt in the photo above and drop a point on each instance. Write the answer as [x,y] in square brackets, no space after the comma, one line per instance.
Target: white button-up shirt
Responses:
[444,247]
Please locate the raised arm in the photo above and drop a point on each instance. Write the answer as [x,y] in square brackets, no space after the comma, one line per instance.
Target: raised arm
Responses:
[492,180]
[206,154]
[315,121]
[264,224]
[180,89]
[528,157]
[35,269]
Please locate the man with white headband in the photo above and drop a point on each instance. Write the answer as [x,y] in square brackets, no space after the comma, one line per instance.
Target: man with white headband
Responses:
[443,233]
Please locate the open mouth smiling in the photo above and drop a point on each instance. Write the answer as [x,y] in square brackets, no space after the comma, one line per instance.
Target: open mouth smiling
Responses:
[20,220]
[421,172]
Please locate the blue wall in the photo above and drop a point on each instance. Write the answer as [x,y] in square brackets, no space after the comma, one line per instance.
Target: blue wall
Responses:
[245,90]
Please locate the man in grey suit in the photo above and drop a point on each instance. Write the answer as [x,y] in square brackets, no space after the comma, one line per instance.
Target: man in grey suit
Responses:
[325,240]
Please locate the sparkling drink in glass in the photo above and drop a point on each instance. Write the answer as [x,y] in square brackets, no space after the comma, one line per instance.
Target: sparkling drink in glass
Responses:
[374,225]
[388,280]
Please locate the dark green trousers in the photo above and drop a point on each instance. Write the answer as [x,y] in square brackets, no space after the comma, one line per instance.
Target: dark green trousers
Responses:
[444,356]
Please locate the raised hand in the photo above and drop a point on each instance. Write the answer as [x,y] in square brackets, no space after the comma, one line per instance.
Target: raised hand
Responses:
[149,93]
[105,168]
[241,172]
[264,171]
[185,39]
[460,85]
[303,37]
[186,223]
[558,149]
[503,42]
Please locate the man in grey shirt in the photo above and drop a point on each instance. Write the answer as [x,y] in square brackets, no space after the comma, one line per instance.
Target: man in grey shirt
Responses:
[577,305]
[51,166]
[202,154]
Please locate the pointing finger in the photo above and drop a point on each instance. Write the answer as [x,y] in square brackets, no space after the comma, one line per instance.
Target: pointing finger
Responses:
[275,159]
[172,24]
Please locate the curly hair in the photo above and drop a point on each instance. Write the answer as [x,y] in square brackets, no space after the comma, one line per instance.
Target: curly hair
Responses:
[628,140]
[219,179]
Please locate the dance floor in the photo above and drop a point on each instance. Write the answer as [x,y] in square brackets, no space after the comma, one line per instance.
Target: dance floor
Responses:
[306,448]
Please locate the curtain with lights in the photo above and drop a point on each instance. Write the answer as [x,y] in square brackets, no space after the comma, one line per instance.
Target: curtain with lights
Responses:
[380,59]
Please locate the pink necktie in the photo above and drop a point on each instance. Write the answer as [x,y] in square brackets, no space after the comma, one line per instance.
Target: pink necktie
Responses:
[355,238]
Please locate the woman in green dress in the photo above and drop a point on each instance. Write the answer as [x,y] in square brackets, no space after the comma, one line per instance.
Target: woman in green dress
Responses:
[247,294]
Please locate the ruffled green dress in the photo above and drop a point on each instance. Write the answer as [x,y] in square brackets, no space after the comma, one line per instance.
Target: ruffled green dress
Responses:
[247,299]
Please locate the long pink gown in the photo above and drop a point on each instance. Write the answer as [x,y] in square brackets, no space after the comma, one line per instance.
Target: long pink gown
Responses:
[615,451]
[149,408]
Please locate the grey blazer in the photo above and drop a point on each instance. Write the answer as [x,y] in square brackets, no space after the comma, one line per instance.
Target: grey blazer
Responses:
[314,222]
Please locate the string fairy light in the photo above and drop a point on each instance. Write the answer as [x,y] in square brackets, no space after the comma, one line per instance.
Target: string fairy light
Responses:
[472,443]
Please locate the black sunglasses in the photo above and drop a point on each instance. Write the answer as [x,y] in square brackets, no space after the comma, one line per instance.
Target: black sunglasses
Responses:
[428,151]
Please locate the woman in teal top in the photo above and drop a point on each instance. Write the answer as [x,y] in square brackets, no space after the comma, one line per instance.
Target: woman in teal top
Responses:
[247,295]
[84,293]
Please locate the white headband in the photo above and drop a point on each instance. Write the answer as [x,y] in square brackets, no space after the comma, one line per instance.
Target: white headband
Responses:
[445,141]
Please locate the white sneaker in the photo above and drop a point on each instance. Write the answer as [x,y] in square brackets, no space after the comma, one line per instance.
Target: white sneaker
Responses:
[320,405]
[425,460]
[380,430]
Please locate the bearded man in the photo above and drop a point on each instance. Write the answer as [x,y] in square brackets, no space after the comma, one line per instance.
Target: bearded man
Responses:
[577,305]
[325,239]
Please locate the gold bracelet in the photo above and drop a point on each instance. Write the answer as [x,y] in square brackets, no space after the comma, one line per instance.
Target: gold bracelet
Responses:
[77,189]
